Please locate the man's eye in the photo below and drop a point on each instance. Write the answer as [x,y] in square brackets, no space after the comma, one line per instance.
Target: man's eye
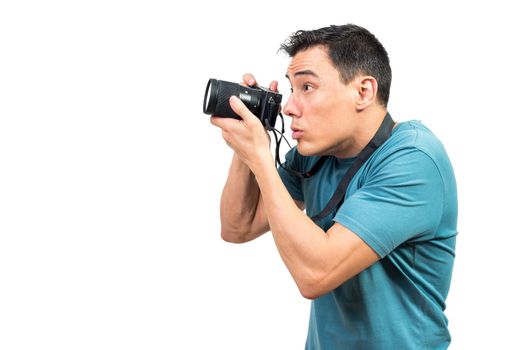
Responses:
[305,87]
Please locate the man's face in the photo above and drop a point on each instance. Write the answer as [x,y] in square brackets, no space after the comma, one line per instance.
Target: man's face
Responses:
[322,107]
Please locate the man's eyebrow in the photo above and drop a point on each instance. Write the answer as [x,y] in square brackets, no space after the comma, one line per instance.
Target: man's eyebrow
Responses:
[304,72]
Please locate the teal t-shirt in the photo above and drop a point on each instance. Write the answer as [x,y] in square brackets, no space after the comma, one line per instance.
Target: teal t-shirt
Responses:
[403,204]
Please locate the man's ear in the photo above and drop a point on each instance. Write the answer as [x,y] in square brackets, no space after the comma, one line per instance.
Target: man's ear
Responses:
[367,88]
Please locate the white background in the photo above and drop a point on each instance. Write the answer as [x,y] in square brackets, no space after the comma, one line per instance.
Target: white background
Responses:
[111,175]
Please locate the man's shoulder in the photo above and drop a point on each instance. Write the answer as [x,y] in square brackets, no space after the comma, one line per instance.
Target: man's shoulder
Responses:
[413,144]
[415,135]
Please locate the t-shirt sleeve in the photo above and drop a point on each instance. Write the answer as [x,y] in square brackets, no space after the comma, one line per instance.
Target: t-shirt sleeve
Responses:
[290,180]
[401,199]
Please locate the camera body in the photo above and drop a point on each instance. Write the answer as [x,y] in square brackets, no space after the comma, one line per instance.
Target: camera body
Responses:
[263,103]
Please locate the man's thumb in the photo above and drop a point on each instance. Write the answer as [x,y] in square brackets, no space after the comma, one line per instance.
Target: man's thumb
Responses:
[240,108]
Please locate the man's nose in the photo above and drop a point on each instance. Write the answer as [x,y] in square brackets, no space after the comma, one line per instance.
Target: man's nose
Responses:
[290,108]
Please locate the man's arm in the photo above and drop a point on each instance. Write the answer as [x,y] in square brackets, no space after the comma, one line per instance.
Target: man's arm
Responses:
[242,214]
[318,261]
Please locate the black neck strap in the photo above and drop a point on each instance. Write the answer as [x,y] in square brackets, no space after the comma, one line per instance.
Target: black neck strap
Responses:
[382,134]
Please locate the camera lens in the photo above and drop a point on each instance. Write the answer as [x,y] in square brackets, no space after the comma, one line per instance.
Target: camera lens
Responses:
[210,99]
[218,92]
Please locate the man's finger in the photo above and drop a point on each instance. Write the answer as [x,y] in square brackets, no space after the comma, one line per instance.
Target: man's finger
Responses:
[249,79]
[215,121]
[273,86]
[240,108]
[222,123]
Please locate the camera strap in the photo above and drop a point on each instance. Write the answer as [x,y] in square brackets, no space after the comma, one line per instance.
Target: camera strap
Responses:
[318,164]
[278,140]
[382,134]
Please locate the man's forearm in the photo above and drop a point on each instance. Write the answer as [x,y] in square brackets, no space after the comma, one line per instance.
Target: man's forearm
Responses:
[300,241]
[239,202]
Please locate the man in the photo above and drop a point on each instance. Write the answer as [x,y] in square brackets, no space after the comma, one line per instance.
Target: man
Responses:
[378,267]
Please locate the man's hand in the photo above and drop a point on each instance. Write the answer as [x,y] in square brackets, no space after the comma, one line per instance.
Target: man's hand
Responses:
[247,137]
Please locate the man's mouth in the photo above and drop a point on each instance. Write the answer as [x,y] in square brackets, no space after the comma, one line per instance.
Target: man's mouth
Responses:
[297,133]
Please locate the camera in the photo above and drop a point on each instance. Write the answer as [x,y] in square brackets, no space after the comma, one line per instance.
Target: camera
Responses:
[263,103]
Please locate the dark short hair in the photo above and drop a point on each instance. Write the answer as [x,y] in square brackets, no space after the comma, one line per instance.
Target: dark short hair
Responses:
[353,51]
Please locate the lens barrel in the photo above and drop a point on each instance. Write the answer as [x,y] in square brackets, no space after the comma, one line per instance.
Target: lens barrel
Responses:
[263,103]
[218,92]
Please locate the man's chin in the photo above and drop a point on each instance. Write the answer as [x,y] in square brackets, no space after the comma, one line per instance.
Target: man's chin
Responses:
[306,151]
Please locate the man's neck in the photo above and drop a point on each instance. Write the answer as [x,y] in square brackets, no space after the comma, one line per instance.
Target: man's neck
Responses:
[367,127]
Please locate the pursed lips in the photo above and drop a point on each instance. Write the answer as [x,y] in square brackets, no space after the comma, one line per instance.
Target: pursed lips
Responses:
[297,133]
